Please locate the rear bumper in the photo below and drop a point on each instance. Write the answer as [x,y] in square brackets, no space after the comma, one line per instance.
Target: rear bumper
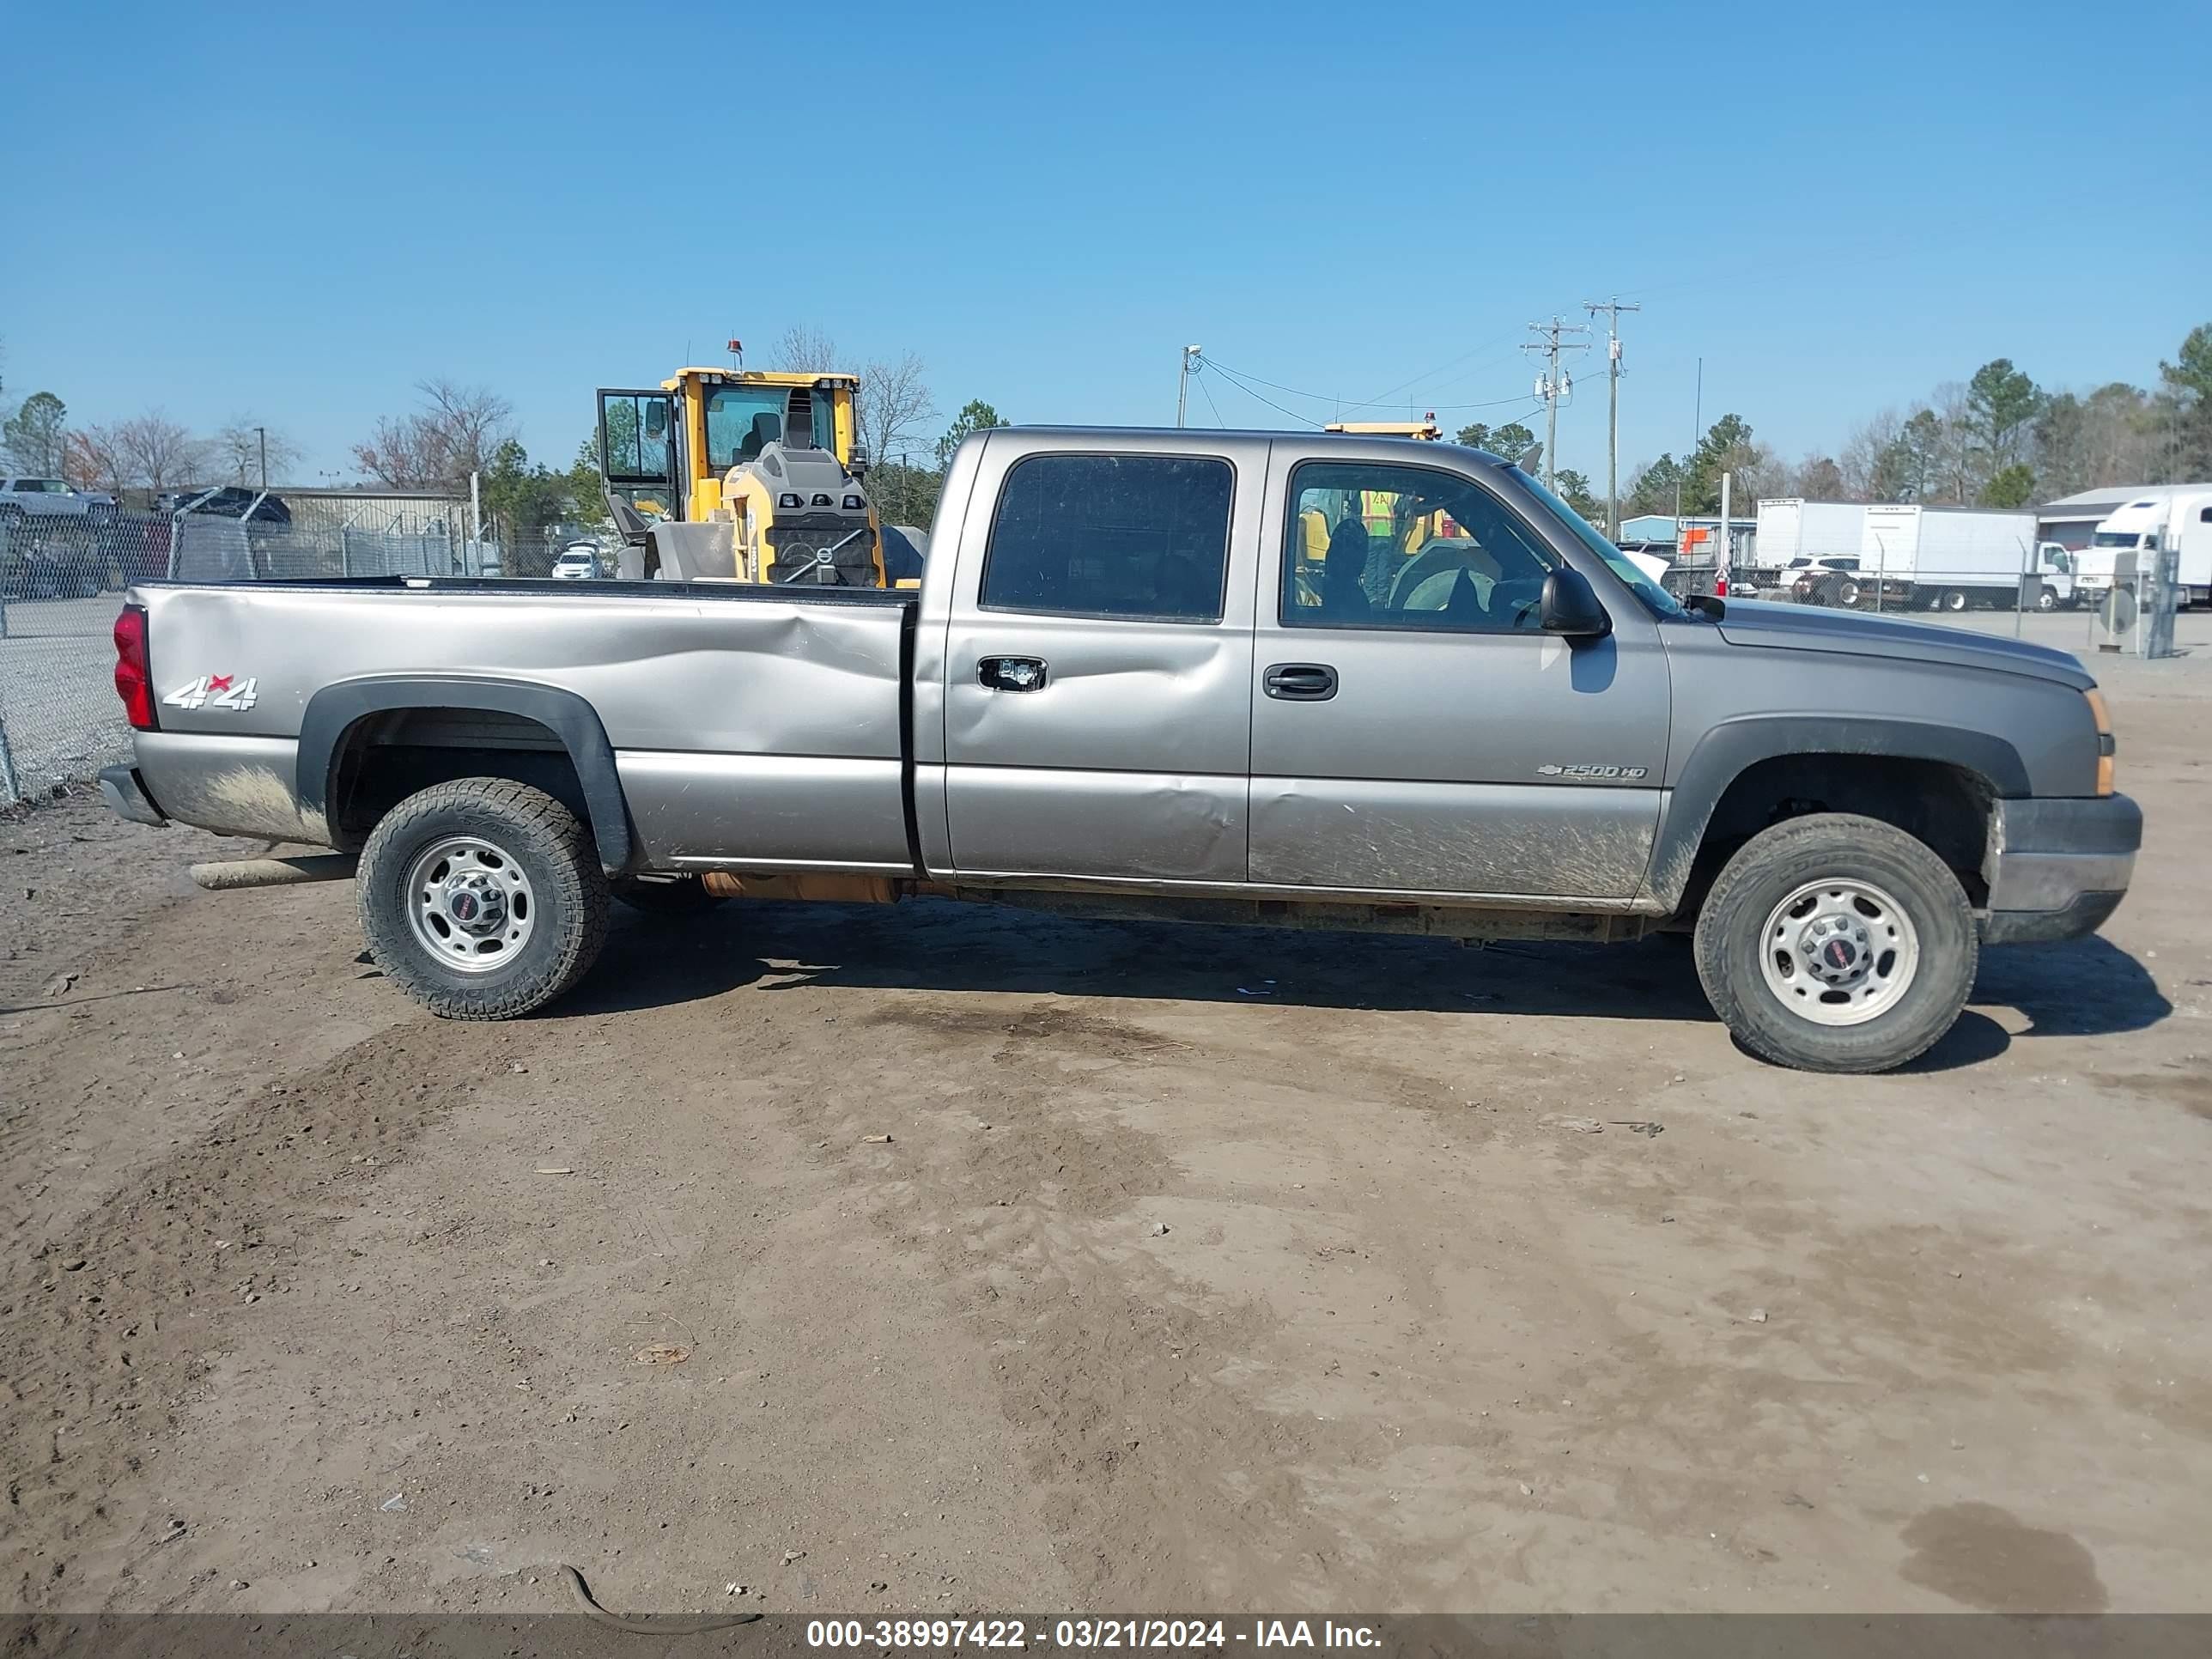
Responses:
[2058,869]
[124,791]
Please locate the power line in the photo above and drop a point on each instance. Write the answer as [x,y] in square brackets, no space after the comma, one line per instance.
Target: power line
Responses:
[1340,403]
[1235,382]
[1238,376]
[1210,404]
[1472,351]
[1318,396]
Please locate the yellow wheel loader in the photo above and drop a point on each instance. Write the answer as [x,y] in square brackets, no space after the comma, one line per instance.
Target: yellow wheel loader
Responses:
[740,475]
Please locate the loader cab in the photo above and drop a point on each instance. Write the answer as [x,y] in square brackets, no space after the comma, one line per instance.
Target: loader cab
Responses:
[697,450]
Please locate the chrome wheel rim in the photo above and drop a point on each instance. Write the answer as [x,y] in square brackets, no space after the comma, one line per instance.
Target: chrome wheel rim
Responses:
[1839,953]
[469,904]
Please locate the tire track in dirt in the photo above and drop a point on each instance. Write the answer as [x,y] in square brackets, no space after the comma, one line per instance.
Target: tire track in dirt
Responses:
[106,1333]
[1161,1481]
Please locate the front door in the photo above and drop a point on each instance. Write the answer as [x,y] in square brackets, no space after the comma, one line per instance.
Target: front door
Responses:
[638,455]
[1413,731]
[1097,696]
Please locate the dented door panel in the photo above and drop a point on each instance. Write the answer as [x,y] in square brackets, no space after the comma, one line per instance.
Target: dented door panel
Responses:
[1130,759]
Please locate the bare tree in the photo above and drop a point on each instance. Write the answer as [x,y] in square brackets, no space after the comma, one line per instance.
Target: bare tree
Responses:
[91,458]
[1868,455]
[1758,471]
[240,446]
[805,349]
[1958,477]
[1818,478]
[155,453]
[457,432]
[2113,436]
[893,399]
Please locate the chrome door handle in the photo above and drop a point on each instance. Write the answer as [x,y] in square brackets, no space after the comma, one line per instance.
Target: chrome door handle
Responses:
[1012,673]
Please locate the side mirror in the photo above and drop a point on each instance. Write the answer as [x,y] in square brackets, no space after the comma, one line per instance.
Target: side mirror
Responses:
[1570,607]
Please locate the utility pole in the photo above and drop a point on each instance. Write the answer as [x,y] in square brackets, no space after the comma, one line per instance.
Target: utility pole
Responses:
[1553,383]
[1726,543]
[262,432]
[1190,361]
[1612,308]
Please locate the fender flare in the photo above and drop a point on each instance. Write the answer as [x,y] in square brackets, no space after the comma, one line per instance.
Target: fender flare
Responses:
[334,710]
[1728,750]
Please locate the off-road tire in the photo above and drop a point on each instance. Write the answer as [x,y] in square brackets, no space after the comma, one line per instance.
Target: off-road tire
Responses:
[543,836]
[685,895]
[1763,872]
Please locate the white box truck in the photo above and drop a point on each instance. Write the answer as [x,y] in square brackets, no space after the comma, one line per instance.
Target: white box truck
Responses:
[1792,531]
[2182,521]
[1948,558]
[1836,552]
[1799,541]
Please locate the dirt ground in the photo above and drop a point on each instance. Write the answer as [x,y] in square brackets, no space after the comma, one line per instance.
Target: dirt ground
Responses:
[1202,1268]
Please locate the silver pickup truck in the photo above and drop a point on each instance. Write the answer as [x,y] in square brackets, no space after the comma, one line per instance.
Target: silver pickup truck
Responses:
[1293,678]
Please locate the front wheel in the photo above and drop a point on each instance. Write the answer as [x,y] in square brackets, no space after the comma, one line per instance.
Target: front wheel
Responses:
[1837,942]
[482,898]
[2046,599]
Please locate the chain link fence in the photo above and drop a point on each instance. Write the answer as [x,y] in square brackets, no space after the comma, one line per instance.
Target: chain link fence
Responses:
[62,579]
[62,576]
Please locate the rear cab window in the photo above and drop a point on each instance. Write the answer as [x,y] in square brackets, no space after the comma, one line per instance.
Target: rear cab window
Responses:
[1143,537]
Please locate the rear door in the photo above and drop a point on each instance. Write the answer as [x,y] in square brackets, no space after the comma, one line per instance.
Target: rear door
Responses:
[1098,683]
[1414,733]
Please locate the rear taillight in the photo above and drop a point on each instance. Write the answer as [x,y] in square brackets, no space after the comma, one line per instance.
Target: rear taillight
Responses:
[134,676]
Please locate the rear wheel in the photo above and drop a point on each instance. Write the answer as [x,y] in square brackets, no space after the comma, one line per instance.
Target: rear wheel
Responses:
[482,898]
[1954,599]
[1837,942]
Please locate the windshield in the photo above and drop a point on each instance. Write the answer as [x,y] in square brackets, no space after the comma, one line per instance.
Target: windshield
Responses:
[740,419]
[2116,538]
[1657,598]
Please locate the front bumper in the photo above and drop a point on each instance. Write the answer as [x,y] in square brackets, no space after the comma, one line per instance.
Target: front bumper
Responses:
[124,791]
[2056,869]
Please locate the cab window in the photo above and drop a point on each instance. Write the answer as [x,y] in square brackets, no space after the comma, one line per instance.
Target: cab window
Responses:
[1376,544]
[1111,536]
[740,420]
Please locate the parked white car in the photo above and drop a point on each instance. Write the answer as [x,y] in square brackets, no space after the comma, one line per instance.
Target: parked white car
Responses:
[50,498]
[578,562]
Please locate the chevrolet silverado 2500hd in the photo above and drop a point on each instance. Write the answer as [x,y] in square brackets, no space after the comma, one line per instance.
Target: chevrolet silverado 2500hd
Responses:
[1301,678]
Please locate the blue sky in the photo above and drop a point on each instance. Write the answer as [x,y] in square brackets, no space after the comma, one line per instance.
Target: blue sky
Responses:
[297,212]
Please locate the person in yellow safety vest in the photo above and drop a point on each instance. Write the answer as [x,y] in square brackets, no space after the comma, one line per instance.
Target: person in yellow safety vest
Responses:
[1399,524]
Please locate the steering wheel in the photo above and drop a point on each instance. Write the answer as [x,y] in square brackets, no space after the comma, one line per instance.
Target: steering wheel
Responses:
[1521,600]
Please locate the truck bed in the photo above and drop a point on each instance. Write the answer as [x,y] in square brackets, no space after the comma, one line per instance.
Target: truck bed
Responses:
[763,723]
